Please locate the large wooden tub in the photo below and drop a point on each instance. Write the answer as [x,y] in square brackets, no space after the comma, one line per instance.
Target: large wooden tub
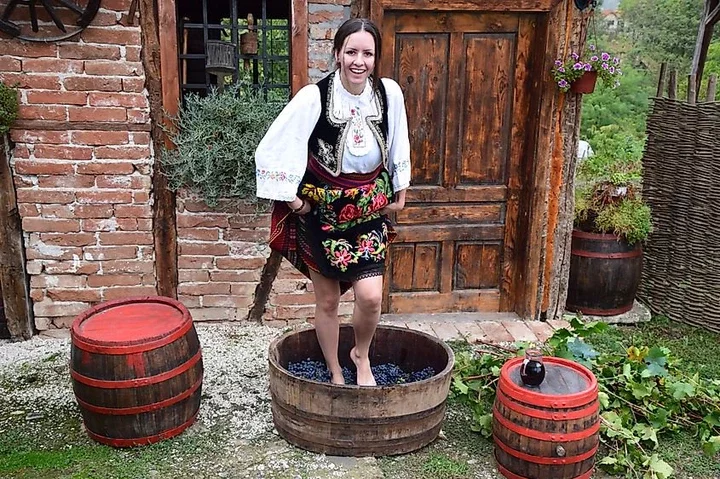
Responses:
[361,421]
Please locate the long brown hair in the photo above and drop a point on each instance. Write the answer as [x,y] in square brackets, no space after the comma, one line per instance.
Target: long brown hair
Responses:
[355,25]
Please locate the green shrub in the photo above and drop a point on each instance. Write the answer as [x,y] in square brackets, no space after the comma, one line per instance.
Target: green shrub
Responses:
[216,137]
[8,107]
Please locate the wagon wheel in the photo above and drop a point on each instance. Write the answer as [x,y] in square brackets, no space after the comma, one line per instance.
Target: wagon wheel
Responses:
[47,20]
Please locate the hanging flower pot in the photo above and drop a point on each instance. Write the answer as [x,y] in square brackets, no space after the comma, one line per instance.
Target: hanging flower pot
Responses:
[249,39]
[586,83]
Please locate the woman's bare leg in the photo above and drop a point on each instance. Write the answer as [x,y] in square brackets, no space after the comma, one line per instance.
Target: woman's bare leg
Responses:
[366,315]
[327,324]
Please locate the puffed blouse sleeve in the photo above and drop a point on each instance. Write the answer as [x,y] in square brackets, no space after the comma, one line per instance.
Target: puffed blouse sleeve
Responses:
[398,137]
[281,157]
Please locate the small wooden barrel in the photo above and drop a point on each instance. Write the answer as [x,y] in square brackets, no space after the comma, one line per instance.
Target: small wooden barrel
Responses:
[137,370]
[604,274]
[361,421]
[547,432]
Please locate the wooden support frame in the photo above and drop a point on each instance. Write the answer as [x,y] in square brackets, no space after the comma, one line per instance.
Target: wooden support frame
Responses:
[13,277]
[711,15]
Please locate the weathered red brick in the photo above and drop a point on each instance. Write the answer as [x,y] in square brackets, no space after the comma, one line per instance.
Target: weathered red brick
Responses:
[104,280]
[204,234]
[235,276]
[144,224]
[57,97]
[105,196]
[141,196]
[34,167]
[126,238]
[88,295]
[249,221]
[138,116]
[110,167]
[39,251]
[25,81]
[119,36]
[123,152]
[132,54]
[66,181]
[252,236]
[125,266]
[68,239]
[132,182]
[196,262]
[72,267]
[140,137]
[28,49]
[302,298]
[224,301]
[243,289]
[103,138]
[241,263]
[197,276]
[134,85]
[111,68]
[127,291]
[205,220]
[63,152]
[89,52]
[104,253]
[133,211]
[57,281]
[189,301]
[40,136]
[21,152]
[50,225]
[8,64]
[92,83]
[35,112]
[96,114]
[27,210]
[201,249]
[199,289]
[52,65]
[32,195]
[127,100]
[294,312]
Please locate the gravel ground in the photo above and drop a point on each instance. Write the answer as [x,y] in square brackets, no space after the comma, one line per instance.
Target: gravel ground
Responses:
[233,437]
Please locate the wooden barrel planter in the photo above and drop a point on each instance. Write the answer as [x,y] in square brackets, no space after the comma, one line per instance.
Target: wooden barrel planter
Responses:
[605,274]
[551,431]
[137,370]
[352,420]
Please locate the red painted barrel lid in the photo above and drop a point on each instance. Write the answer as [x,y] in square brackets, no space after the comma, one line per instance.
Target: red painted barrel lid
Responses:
[579,392]
[131,321]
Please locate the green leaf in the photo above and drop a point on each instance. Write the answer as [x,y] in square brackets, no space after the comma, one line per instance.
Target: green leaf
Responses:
[460,386]
[657,468]
[654,370]
[713,419]
[681,390]
[711,446]
[604,400]
[581,350]
[659,419]
[640,391]
[646,433]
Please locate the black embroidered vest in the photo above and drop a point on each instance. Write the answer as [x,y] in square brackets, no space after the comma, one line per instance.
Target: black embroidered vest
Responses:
[327,142]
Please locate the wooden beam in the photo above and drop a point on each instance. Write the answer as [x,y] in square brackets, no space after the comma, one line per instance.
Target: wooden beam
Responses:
[524,6]
[299,44]
[714,16]
[672,84]
[13,277]
[360,9]
[661,80]
[162,77]
[702,43]
[712,88]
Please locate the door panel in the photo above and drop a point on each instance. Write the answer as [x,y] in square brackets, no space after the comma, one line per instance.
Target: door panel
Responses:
[465,80]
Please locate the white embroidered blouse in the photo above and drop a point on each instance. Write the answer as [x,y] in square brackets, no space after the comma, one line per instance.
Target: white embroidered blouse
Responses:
[281,157]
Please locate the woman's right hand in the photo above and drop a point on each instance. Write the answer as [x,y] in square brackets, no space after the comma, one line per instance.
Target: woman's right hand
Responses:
[303,205]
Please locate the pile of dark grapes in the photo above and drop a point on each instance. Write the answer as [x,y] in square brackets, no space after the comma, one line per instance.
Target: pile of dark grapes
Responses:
[385,374]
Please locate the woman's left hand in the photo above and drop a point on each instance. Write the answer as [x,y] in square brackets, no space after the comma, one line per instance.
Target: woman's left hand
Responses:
[393,207]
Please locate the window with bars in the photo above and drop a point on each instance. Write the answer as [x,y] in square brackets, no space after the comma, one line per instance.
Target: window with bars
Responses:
[229,41]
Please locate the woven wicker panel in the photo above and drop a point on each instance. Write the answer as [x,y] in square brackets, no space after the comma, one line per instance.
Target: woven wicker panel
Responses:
[681,183]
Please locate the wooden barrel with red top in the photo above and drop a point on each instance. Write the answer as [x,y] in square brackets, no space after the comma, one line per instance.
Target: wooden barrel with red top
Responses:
[551,431]
[137,370]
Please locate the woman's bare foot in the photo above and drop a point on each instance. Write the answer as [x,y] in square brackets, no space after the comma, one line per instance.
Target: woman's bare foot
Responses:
[364,373]
[337,377]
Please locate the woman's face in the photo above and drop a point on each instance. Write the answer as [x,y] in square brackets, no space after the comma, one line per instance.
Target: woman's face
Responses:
[356,60]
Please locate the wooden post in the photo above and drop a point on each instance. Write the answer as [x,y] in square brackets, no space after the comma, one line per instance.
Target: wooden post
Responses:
[708,20]
[13,278]
[160,59]
[661,80]
[712,87]
[360,9]
[692,92]
[672,84]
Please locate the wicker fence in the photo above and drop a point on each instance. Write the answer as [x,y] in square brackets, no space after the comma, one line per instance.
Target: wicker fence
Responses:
[681,277]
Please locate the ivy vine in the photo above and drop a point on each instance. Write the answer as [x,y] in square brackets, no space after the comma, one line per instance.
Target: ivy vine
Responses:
[644,394]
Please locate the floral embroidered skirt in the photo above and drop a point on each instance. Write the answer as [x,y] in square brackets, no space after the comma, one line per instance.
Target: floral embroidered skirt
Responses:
[344,237]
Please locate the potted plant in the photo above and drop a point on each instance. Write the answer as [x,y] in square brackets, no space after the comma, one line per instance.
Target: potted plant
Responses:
[579,73]
[611,223]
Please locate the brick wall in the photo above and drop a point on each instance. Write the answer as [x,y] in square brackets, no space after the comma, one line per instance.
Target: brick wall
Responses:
[83,192]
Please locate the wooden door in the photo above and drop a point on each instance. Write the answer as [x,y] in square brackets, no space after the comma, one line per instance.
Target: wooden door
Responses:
[467,85]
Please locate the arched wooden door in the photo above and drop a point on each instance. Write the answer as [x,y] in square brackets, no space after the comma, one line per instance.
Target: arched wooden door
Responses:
[468,81]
